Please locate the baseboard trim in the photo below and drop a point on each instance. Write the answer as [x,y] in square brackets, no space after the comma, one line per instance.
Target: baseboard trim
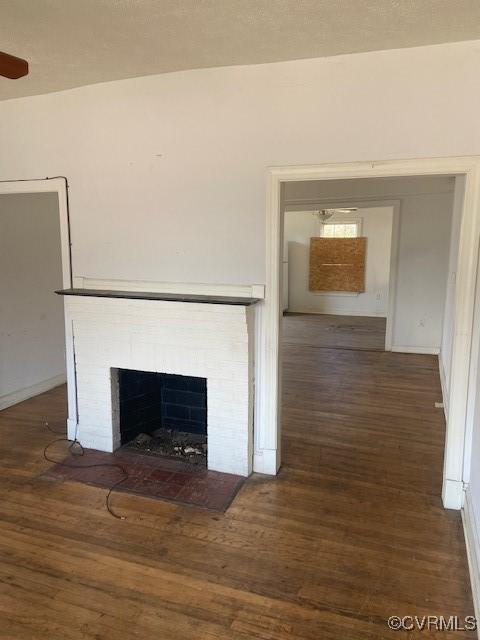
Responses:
[72,427]
[430,351]
[15,397]
[453,494]
[266,461]
[472,543]
[187,288]
[90,440]
[337,312]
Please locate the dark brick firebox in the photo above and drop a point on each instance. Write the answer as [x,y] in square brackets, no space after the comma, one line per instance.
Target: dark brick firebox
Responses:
[150,401]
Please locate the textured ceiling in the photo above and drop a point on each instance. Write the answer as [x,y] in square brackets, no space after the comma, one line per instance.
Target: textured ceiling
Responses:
[76,42]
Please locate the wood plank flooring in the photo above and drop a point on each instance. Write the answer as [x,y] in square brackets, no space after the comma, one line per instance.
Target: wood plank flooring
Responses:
[338,332]
[351,532]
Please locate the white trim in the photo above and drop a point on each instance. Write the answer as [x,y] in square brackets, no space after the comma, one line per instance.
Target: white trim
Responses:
[187,288]
[472,543]
[443,384]
[473,383]
[15,397]
[453,494]
[268,422]
[58,186]
[393,275]
[434,351]
[358,223]
[266,461]
[72,428]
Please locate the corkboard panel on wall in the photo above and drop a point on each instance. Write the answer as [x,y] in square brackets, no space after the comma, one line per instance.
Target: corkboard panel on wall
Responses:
[337,264]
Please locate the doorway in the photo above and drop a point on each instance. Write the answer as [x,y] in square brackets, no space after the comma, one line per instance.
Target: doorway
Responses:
[270,362]
[34,262]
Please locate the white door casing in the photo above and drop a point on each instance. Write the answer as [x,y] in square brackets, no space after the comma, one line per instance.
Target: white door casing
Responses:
[268,423]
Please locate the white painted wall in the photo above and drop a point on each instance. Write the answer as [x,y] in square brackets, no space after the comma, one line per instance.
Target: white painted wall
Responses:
[32,343]
[423,247]
[426,205]
[376,226]
[167,173]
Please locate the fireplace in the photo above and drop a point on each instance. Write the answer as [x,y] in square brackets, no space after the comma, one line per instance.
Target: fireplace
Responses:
[163,414]
[192,359]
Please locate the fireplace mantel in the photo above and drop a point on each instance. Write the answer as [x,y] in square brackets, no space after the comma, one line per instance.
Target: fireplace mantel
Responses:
[152,295]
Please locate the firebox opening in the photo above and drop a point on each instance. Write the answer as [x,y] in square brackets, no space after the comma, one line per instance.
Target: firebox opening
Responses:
[164,414]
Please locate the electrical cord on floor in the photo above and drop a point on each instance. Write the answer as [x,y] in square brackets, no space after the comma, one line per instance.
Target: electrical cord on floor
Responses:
[76,449]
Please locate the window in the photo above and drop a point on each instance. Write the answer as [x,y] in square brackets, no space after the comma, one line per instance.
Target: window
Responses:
[337,264]
[340,229]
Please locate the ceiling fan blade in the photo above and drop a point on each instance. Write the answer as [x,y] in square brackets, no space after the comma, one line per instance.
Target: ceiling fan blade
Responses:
[12,67]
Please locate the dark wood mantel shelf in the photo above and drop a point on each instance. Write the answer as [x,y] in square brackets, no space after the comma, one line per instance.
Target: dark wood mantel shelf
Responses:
[151,295]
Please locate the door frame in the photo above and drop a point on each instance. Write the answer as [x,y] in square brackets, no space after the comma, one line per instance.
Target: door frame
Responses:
[268,423]
[58,185]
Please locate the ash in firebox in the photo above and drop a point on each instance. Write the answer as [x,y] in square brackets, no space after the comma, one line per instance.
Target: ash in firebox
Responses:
[170,443]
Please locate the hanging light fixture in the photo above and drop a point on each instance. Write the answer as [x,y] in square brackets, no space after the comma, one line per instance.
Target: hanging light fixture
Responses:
[326,214]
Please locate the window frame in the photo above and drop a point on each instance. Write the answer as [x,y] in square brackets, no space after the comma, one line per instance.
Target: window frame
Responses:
[357,222]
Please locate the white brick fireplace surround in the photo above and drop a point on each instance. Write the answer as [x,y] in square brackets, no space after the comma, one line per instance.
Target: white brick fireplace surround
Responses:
[207,340]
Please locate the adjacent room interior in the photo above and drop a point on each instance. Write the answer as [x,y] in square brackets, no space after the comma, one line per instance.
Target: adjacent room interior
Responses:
[392,296]
[32,335]
[346,304]
[368,271]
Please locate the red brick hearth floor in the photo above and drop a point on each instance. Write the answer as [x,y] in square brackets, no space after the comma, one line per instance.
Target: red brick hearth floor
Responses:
[152,477]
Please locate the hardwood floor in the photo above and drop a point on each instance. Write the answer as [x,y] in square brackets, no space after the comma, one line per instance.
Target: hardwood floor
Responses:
[351,532]
[338,332]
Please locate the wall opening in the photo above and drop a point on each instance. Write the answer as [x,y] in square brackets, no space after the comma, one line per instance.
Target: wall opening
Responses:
[32,330]
[420,236]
